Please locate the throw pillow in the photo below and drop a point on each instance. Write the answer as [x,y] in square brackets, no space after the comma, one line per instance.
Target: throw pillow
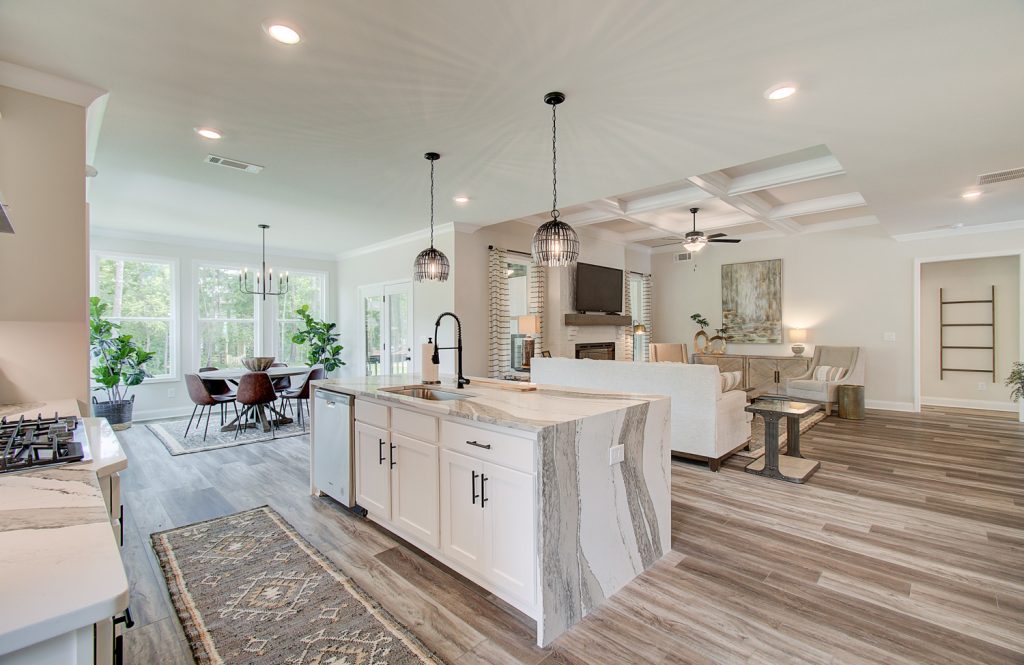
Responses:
[731,381]
[829,373]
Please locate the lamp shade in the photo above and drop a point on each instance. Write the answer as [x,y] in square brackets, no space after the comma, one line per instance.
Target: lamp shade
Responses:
[639,329]
[797,335]
[529,324]
[431,265]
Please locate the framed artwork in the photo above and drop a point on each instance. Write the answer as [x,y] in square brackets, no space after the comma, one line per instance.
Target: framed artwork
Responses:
[752,302]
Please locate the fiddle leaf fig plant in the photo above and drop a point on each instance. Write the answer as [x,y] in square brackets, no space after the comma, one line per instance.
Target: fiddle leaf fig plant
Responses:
[118,360]
[1016,381]
[323,347]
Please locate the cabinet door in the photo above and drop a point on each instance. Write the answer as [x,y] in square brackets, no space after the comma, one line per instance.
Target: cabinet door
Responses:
[373,472]
[462,517]
[761,373]
[414,489]
[509,530]
[790,368]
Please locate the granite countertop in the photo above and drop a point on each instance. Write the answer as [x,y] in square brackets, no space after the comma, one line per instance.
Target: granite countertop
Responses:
[60,566]
[530,411]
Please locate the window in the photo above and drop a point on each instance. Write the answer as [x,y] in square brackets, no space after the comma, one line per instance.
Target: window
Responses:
[387,328]
[304,288]
[142,294]
[225,319]
[636,310]
[518,305]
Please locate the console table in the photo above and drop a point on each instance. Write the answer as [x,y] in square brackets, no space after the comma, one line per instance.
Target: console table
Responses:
[761,374]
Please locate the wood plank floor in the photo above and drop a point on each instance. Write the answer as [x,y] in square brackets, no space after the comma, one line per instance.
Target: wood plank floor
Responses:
[906,547]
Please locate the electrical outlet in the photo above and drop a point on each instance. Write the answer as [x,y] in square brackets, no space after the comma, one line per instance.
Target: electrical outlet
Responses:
[982,386]
[616,455]
[889,337]
[171,393]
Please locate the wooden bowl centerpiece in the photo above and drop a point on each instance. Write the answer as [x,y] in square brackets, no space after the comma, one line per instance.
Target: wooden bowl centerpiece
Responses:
[258,363]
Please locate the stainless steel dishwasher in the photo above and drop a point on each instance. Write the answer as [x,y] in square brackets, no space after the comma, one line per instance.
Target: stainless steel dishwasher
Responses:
[333,455]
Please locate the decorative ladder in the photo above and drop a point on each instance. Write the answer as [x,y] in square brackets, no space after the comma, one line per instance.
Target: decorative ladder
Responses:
[942,339]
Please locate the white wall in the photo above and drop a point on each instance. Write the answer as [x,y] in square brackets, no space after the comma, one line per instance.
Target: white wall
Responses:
[970,279]
[393,263]
[848,287]
[44,336]
[161,398]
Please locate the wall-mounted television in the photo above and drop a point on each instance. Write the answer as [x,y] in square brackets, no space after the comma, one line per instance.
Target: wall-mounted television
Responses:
[598,289]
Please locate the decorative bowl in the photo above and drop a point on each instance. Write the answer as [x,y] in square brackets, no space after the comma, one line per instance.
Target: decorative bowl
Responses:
[258,363]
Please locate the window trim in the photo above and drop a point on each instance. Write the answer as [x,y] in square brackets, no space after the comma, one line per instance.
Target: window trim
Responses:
[257,319]
[324,300]
[174,331]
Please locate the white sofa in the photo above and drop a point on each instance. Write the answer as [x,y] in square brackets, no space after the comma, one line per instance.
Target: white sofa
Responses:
[707,424]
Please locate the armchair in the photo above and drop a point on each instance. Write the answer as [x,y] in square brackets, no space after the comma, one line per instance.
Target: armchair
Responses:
[668,353]
[807,388]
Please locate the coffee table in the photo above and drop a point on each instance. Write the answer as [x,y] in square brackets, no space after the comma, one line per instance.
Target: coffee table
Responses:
[792,467]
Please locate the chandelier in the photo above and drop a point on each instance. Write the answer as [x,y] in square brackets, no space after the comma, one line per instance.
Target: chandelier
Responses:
[264,285]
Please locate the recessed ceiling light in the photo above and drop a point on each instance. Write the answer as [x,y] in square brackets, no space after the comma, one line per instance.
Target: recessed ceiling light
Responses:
[461,199]
[780,91]
[282,33]
[208,133]
[973,194]
[958,225]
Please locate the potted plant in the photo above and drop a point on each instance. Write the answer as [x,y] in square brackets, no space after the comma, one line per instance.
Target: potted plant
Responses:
[323,347]
[117,365]
[1016,381]
[700,340]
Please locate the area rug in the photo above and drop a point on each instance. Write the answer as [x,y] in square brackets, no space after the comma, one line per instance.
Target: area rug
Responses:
[172,434]
[248,589]
[756,448]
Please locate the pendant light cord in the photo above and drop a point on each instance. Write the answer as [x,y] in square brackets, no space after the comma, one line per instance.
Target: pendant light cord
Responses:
[432,204]
[554,162]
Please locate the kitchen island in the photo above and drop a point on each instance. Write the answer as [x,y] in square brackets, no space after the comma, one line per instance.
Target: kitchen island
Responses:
[552,499]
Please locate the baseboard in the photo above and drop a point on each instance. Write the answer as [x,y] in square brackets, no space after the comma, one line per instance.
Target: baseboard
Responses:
[160,414]
[889,406]
[970,404]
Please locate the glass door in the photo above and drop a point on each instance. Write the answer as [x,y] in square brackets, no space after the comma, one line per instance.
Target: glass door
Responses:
[387,328]
[373,319]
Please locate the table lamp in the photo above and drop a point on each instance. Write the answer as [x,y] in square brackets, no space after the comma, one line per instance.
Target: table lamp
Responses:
[529,324]
[798,336]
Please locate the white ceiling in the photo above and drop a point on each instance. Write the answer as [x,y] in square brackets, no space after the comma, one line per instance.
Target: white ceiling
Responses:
[914,98]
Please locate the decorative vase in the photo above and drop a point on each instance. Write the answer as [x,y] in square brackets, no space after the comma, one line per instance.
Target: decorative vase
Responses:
[716,345]
[797,349]
[258,363]
[699,347]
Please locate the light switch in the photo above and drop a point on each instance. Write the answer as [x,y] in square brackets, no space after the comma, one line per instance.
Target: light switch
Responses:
[616,455]
[889,337]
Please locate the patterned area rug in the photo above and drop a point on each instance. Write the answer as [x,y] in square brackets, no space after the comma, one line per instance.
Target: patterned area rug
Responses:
[172,434]
[248,589]
[756,448]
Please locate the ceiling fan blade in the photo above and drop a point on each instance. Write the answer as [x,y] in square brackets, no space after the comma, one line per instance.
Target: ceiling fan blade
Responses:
[668,244]
[717,235]
[724,240]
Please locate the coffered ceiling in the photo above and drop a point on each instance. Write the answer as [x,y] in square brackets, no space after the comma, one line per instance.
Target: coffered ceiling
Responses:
[900,106]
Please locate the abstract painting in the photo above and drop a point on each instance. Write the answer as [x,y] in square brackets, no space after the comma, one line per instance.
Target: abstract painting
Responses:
[752,302]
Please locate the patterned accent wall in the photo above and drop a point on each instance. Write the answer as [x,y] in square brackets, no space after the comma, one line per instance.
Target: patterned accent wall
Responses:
[499,358]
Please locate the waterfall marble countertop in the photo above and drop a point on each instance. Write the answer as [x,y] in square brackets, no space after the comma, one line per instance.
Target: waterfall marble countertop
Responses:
[60,566]
[529,411]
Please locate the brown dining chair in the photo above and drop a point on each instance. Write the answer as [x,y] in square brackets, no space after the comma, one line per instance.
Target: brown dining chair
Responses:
[218,387]
[300,395]
[255,391]
[282,383]
[201,397]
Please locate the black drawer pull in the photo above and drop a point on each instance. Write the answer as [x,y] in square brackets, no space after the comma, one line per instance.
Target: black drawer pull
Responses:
[380,451]
[392,453]
[485,446]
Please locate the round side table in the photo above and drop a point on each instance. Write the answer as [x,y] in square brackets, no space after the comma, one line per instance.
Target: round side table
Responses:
[851,402]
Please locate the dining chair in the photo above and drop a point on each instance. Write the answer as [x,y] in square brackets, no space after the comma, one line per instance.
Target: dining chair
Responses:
[255,391]
[218,387]
[203,399]
[300,395]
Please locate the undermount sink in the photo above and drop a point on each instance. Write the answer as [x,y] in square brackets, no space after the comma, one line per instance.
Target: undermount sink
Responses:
[425,392]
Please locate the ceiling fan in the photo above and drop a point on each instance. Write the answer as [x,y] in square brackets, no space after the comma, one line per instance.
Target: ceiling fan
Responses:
[695,240]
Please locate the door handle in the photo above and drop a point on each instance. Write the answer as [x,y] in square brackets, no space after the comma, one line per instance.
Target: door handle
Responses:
[483,497]
[380,451]
[485,446]
[392,455]
[475,495]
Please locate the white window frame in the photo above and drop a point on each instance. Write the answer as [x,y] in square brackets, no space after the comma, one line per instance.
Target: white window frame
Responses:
[324,299]
[196,320]
[174,344]
[381,288]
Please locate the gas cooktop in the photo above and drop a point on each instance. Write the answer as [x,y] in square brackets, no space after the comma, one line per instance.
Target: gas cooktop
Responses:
[31,443]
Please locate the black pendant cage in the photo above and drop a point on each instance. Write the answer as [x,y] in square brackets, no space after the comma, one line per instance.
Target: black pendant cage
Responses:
[555,245]
[431,266]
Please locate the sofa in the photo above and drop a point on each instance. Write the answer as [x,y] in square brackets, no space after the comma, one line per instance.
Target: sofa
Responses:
[707,424]
[808,389]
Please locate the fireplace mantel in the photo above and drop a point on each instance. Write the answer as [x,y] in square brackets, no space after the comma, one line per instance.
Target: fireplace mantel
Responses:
[597,320]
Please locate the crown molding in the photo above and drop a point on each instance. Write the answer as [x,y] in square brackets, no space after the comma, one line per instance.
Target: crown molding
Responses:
[183,241]
[963,231]
[422,234]
[48,85]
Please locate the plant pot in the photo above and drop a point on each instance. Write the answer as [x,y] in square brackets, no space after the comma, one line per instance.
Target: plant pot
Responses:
[117,413]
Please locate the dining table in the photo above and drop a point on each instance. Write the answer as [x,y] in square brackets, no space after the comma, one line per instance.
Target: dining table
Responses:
[234,375]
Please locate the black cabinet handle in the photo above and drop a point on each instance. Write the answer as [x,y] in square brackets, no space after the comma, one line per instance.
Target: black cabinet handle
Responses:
[125,618]
[483,497]
[121,523]
[485,446]
[380,451]
[392,454]
[475,495]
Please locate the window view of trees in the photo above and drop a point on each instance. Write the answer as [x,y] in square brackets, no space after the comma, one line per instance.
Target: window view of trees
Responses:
[303,289]
[518,305]
[140,293]
[226,318]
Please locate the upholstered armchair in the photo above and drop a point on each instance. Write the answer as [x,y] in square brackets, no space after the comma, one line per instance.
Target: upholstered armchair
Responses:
[668,353]
[808,389]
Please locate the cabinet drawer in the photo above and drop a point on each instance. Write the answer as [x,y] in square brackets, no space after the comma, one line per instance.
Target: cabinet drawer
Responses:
[372,413]
[489,446]
[417,425]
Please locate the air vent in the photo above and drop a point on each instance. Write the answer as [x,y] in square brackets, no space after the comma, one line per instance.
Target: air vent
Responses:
[233,164]
[1000,176]
[683,256]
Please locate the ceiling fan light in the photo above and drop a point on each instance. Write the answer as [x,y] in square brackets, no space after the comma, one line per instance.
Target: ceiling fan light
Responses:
[555,245]
[431,266]
[695,244]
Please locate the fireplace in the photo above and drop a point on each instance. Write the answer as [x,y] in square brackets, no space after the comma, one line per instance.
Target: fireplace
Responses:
[597,351]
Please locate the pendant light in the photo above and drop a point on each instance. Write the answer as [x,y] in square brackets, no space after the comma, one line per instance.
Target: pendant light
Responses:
[431,264]
[555,244]
[264,285]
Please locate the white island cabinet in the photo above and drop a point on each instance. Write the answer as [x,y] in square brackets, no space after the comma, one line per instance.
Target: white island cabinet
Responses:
[551,499]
